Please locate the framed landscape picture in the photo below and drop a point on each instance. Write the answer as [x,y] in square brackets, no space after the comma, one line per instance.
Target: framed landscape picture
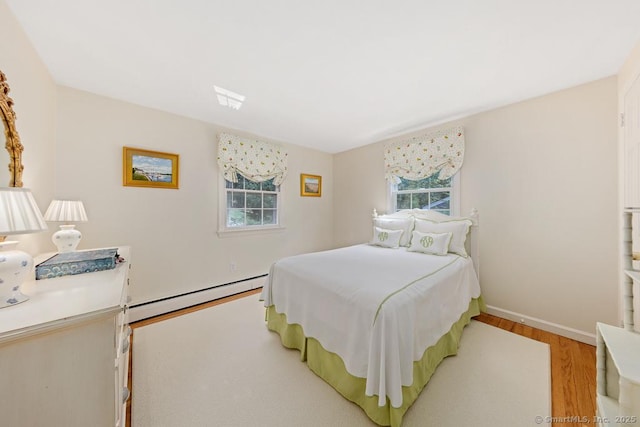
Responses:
[310,185]
[145,168]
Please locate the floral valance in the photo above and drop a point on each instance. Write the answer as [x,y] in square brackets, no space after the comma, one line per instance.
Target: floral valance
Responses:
[256,160]
[422,156]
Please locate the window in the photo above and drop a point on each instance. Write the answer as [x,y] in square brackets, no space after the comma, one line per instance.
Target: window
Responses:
[427,193]
[251,204]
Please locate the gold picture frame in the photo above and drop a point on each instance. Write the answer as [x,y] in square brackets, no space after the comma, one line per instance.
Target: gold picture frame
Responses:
[146,168]
[310,185]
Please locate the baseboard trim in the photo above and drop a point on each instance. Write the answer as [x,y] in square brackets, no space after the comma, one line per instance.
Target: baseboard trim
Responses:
[178,302]
[561,330]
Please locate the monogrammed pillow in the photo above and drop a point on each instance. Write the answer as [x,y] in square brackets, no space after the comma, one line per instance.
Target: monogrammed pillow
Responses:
[386,238]
[430,243]
[459,229]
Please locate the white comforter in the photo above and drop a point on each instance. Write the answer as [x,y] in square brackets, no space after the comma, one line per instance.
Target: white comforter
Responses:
[379,309]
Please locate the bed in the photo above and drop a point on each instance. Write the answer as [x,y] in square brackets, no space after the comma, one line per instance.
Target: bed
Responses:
[374,320]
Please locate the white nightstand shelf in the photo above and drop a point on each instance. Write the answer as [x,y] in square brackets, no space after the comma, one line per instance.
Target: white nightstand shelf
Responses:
[618,367]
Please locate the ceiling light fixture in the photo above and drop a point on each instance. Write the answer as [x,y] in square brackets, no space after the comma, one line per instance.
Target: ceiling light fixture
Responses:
[228,98]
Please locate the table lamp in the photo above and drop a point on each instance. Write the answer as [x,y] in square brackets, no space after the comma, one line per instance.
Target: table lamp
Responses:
[67,238]
[19,214]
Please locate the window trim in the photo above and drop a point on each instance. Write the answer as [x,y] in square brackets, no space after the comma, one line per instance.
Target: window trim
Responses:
[454,197]
[224,231]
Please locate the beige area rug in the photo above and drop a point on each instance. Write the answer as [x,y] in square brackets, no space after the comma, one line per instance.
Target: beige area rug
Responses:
[221,367]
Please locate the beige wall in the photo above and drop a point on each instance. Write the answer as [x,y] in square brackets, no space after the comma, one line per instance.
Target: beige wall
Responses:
[34,95]
[173,233]
[543,175]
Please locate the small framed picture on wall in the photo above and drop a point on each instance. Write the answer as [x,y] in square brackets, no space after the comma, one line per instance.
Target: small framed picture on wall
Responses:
[145,168]
[310,185]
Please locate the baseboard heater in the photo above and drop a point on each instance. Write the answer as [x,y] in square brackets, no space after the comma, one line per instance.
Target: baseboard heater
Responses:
[149,309]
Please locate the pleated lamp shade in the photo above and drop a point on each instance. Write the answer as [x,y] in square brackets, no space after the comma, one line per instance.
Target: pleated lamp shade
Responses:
[66,211]
[19,213]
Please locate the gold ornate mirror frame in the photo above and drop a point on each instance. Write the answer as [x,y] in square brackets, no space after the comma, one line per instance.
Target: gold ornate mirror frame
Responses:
[13,144]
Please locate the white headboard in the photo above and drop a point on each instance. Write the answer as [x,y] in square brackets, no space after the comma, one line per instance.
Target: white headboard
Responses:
[472,243]
[474,240]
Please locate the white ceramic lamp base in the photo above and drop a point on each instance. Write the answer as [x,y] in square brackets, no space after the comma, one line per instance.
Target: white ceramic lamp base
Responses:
[14,266]
[67,238]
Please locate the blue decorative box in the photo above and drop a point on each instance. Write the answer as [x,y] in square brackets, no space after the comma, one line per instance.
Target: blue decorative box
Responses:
[68,263]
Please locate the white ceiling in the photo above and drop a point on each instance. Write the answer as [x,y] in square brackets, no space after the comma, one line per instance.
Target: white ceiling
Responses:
[331,74]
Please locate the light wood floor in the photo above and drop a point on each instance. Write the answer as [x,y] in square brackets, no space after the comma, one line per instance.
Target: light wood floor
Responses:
[573,365]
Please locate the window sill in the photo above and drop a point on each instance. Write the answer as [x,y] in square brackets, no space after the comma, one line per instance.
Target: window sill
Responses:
[231,232]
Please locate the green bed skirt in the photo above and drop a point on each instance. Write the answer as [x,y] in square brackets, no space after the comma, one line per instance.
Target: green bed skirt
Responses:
[330,367]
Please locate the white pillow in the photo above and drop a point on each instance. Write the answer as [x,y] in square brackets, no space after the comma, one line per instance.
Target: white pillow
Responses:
[386,238]
[404,224]
[459,229]
[430,243]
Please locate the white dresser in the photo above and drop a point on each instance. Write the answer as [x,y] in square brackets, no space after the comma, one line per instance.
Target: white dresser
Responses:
[64,353]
